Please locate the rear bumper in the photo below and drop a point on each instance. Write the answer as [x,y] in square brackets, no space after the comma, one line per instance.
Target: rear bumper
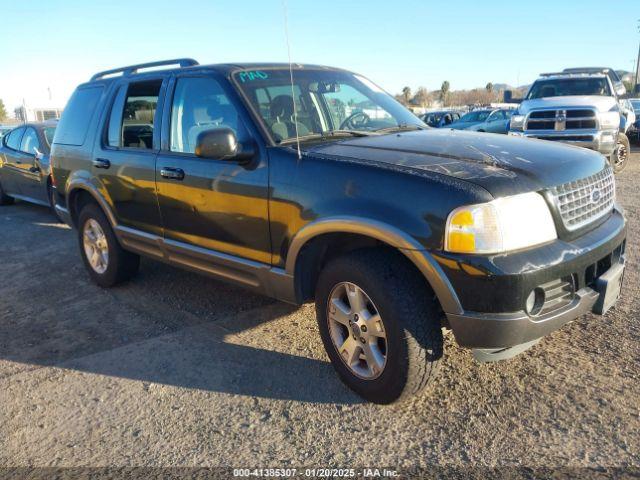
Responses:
[493,290]
[602,141]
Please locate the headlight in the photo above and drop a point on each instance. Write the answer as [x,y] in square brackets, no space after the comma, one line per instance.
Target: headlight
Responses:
[517,122]
[609,120]
[502,225]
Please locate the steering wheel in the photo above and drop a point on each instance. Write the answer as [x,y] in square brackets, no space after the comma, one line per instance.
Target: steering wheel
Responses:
[355,121]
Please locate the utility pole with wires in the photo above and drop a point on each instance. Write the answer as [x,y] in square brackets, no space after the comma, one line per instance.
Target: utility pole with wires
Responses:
[635,89]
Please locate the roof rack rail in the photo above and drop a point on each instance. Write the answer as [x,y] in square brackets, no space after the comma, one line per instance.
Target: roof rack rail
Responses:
[131,69]
[587,70]
[550,74]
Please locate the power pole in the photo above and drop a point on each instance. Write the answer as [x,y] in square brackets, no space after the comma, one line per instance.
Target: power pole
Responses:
[637,62]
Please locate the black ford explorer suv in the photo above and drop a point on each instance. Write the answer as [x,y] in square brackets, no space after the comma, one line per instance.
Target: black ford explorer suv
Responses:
[312,184]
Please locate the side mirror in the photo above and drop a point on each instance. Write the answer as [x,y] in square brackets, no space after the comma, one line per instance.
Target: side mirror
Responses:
[222,144]
[620,88]
[509,98]
[39,155]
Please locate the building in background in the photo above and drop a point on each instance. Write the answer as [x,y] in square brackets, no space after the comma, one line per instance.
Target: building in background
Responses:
[24,114]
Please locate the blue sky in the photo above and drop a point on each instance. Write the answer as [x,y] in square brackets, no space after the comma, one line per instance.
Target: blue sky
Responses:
[55,44]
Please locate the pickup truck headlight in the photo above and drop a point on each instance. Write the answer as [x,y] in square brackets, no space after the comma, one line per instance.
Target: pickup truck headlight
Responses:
[516,122]
[609,120]
[502,225]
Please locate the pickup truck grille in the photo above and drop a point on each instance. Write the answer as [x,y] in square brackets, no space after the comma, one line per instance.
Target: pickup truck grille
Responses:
[584,201]
[559,120]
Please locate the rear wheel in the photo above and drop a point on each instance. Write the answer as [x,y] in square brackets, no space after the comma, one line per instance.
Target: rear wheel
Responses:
[107,262]
[620,156]
[4,198]
[380,324]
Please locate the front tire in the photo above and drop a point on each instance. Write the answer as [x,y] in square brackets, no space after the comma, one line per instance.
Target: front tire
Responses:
[620,156]
[380,324]
[106,261]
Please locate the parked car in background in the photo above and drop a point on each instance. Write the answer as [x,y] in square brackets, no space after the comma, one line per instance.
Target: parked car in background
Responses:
[441,118]
[25,171]
[489,120]
[5,130]
[635,103]
[629,114]
[580,107]
[318,186]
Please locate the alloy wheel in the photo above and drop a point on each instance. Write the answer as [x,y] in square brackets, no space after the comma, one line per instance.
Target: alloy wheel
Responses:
[621,155]
[95,246]
[357,330]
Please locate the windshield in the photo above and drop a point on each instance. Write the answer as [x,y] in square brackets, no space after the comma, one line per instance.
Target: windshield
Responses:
[477,116]
[48,134]
[636,105]
[569,86]
[325,101]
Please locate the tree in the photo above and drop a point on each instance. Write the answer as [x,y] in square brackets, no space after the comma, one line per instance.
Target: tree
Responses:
[444,92]
[489,87]
[421,97]
[3,111]
[406,95]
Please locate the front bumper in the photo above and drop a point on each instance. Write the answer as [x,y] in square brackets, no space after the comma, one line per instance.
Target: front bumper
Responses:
[493,289]
[602,141]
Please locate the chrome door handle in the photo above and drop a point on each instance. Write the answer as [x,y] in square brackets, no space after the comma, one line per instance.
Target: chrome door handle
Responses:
[101,163]
[172,173]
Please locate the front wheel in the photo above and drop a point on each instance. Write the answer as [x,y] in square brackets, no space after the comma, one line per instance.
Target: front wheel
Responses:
[620,156]
[380,324]
[107,262]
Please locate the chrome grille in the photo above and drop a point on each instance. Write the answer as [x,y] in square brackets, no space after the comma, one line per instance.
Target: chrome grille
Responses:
[565,119]
[584,201]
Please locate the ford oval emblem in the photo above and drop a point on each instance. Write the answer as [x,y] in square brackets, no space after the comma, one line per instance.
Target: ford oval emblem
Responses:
[596,194]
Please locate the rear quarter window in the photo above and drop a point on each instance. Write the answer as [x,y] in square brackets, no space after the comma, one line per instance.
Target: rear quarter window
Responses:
[75,121]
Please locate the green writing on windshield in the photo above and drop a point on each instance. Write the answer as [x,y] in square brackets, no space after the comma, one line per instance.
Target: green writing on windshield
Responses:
[252,75]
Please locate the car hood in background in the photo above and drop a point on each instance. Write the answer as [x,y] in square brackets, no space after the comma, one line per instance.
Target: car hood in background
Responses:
[462,125]
[602,104]
[503,165]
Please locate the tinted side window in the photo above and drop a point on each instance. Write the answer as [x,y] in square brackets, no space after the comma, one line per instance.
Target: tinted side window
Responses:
[136,116]
[30,142]
[14,138]
[199,104]
[114,136]
[74,124]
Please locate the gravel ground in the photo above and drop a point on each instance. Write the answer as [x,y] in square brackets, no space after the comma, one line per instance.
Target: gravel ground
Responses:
[174,369]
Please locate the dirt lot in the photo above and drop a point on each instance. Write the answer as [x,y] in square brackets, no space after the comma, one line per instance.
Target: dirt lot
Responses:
[174,369]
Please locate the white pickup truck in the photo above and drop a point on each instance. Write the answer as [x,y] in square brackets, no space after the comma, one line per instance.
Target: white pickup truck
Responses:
[580,106]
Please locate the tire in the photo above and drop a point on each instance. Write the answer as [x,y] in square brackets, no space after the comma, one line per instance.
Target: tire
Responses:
[620,157]
[52,203]
[4,198]
[410,318]
[118,265]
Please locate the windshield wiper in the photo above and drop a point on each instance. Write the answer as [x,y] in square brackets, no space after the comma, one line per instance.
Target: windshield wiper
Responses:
[327,135]
[403,127]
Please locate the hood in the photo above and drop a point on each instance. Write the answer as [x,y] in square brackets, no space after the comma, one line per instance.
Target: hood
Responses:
[501,164]
[600,103]
[462,125]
